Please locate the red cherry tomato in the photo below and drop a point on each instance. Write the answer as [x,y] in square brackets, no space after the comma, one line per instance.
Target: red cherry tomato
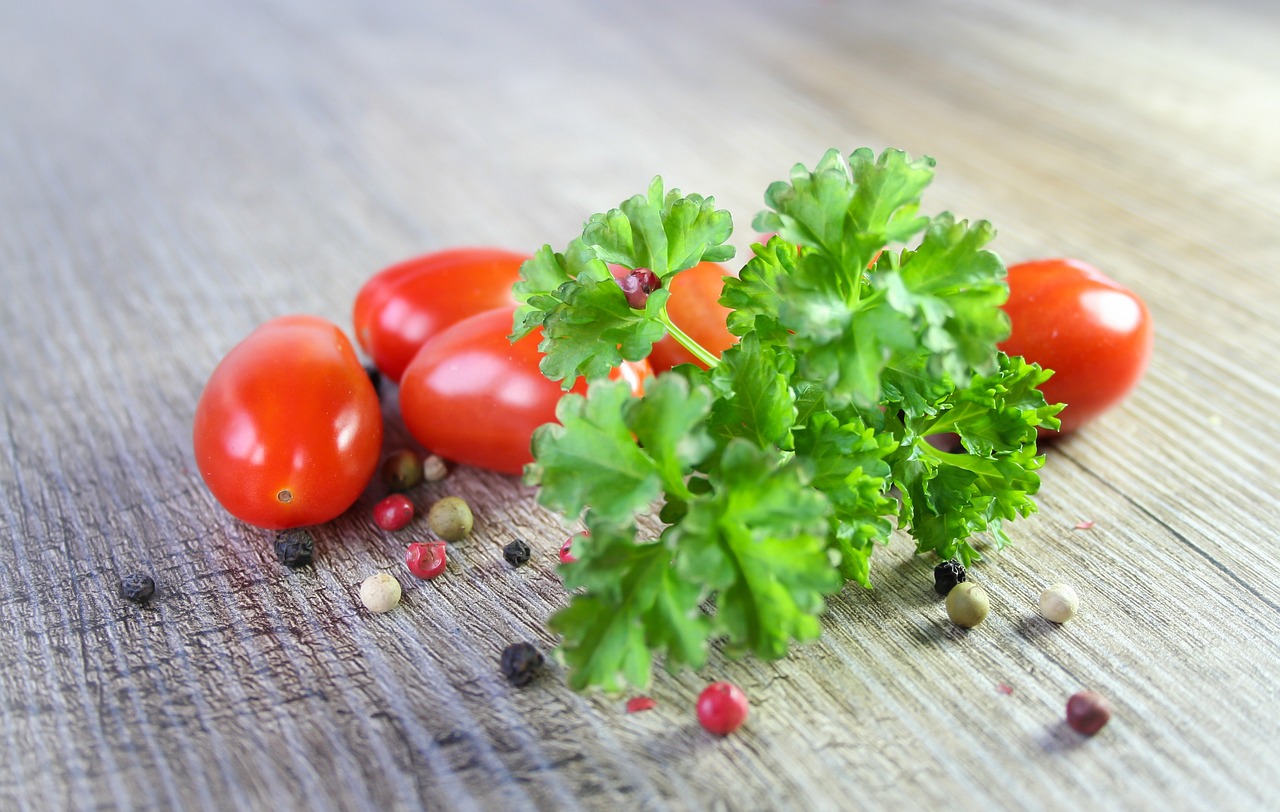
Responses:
[288,430]
[722,708]
[695,308]
[1094,334]
[401,307]
[473,397]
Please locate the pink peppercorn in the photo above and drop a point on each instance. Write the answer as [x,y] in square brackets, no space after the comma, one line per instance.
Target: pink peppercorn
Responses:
[1088,712]
[393,513]
[566,549]
[722,708]
[426,559]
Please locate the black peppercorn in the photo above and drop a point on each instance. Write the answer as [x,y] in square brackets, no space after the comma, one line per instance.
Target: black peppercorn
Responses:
[946,575]
[517,552]
[295,548]
[520,663]
[137,587]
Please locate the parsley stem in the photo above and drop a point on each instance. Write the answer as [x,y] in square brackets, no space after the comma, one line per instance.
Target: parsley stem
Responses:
[699,352]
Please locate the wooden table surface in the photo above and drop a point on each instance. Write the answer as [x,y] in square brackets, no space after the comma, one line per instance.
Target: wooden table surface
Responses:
[175,173]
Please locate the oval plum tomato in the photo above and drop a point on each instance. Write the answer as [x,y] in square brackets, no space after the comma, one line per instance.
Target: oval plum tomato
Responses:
[473,397]
[400,307]
[1094,334]
[695,308]
[288,430]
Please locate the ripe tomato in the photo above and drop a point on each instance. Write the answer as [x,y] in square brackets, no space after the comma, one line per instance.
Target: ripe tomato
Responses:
[473,397]
[1094,334]
[695,308]
[399,308]
[288,429]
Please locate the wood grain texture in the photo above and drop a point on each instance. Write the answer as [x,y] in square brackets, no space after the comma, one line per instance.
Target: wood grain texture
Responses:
[175,173]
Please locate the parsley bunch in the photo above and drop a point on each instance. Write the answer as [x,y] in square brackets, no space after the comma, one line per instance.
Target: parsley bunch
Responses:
[777,470]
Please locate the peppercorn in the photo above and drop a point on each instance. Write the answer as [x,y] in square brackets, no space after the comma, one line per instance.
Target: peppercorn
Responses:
[295,548]
[1088,712]
[427,559]
[450,518]
[517,552]
[402,470]
[137,587]
[380,593]
[521,663]
[434,469]
[967,605]
[946,575]
[1059,603]
[393,512]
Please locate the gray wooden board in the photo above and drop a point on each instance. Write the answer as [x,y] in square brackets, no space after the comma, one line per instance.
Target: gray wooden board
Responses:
[175,173]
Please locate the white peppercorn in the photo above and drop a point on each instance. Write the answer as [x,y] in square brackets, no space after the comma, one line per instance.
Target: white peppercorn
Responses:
[967,604]
[434,469]
[1059,603]
[380,593]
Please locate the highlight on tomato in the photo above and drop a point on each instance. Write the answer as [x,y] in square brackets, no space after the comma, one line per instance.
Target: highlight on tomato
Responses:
[402,306]
[1095,334]
[472,396]
[288,429]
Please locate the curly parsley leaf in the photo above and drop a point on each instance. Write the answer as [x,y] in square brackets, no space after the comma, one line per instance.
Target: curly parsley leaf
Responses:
[757,540]
[665,232]
[781,467]
[587,326]
[949,496]
[633,605]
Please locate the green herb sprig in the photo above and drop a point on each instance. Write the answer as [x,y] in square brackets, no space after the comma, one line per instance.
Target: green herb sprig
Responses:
[865,329]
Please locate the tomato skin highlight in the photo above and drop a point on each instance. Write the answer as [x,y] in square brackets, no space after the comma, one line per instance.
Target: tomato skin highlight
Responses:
[1093,333]
[288,429]
[399,308]
[695,308]
[473,397]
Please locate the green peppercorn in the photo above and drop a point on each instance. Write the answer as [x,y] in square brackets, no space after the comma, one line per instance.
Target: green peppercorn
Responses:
[450,518]
[402,470]
[967,604]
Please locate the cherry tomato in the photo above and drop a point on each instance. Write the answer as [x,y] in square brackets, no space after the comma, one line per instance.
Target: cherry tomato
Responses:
[695,308]
[1094,334]
[401,307]
[722,708]
[288,430]
[472,396]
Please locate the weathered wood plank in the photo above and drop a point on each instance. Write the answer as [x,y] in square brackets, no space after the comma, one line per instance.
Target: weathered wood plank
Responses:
[176,173]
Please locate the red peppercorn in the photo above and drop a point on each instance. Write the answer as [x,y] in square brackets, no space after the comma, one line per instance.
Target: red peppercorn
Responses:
[637,286]
[722,708]
[636,704]
[1088,712]
[393,513]
[566,549]
[426,559]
